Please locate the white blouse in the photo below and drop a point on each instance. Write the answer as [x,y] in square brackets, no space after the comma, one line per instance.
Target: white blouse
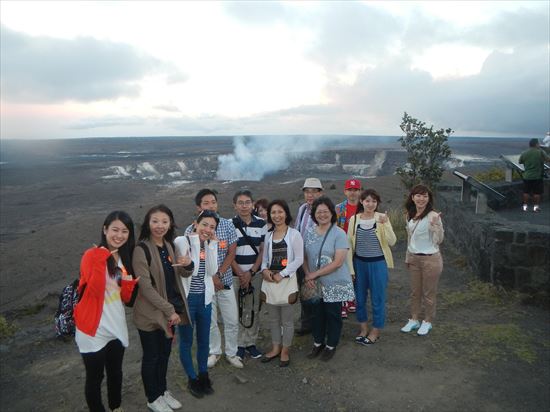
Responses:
[423,238]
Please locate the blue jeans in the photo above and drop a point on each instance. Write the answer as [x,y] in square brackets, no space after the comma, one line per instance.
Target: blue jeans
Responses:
[373,276]
[154,364]
[200,319]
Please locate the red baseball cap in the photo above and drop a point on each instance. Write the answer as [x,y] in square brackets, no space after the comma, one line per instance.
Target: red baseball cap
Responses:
[352,184]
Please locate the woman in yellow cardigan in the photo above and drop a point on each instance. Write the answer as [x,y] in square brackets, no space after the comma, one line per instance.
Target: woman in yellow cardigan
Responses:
[370,234]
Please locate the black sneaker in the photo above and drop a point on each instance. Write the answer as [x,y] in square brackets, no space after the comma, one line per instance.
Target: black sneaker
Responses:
[195,388]
[315,351]
[254,352]
[328,354]
[206,384]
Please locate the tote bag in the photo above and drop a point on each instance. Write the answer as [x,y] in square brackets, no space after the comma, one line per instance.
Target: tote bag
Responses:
[283,293]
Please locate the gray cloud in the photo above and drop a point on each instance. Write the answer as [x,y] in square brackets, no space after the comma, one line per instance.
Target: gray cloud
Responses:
[523,28]
[353,30]
[508,29]
[510,95]
[45,69]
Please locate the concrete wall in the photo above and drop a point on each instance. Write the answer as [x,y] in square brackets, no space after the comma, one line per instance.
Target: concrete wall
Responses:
[515,255]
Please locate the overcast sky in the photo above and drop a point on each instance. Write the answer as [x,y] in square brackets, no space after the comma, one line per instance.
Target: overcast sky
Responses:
[82,69]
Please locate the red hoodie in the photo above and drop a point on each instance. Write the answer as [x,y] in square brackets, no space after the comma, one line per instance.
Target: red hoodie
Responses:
[89,309]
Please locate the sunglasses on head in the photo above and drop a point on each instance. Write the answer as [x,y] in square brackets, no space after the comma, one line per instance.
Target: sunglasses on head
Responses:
[208,213]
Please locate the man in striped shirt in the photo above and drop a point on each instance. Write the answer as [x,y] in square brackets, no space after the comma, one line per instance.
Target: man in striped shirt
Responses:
[251,231]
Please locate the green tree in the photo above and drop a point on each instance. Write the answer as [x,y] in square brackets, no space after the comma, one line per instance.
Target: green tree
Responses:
[427,150]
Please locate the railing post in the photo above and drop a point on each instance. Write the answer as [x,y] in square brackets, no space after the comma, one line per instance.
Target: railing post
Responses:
[508,174]
[481,203]
[466,192]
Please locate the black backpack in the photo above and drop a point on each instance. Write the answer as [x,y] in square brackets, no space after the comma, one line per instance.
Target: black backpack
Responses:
[64,320]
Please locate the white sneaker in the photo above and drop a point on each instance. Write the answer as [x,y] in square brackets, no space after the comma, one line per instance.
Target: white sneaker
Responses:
[424,328]
[159,405]
[536,208]
[234,361]
[524,208]
[212,360]
[171,401]
[410,326]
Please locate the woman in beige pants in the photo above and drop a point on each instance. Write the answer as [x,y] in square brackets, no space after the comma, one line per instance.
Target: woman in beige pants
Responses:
[425,234]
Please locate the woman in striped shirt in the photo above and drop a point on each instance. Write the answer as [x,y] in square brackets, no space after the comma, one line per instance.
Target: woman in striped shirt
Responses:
[202,247]
[371,235]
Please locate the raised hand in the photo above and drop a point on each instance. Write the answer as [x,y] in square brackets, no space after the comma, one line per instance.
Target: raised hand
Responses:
[184,260]
[436,220]
[383,218]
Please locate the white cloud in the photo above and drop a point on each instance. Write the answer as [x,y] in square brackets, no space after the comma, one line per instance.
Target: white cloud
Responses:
[272,67]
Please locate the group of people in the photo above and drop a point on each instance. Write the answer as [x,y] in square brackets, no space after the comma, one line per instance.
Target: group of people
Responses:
[329,260]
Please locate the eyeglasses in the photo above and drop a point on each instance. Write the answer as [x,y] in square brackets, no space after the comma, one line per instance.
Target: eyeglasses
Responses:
[244,203]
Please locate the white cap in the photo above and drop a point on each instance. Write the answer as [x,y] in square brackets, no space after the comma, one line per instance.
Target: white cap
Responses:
[312,183]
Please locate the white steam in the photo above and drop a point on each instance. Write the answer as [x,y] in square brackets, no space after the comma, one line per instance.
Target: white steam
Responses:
[258,156]
[377,163]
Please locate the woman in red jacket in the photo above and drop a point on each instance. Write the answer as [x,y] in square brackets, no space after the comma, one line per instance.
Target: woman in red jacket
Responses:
[101,331]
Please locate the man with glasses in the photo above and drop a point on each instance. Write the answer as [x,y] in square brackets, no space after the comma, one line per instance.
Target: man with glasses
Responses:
[224,299]
[312,189]
[247,279]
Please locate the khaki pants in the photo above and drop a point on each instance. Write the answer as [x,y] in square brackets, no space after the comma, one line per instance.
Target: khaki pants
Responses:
[425,273]
[248,336]
[281,320]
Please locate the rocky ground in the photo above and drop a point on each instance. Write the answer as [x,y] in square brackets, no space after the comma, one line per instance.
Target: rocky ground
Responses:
[487,351]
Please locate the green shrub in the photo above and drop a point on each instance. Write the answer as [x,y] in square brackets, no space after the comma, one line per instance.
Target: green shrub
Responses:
[6,329]
[398,222]
[495,174]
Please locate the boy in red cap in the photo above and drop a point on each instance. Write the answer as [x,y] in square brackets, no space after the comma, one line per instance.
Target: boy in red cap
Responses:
[344,211]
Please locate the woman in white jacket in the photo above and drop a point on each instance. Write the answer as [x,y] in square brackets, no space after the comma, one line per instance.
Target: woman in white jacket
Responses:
[201,248]
[283,255]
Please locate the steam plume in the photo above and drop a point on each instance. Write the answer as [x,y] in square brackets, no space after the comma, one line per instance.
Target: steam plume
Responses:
[257,156]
